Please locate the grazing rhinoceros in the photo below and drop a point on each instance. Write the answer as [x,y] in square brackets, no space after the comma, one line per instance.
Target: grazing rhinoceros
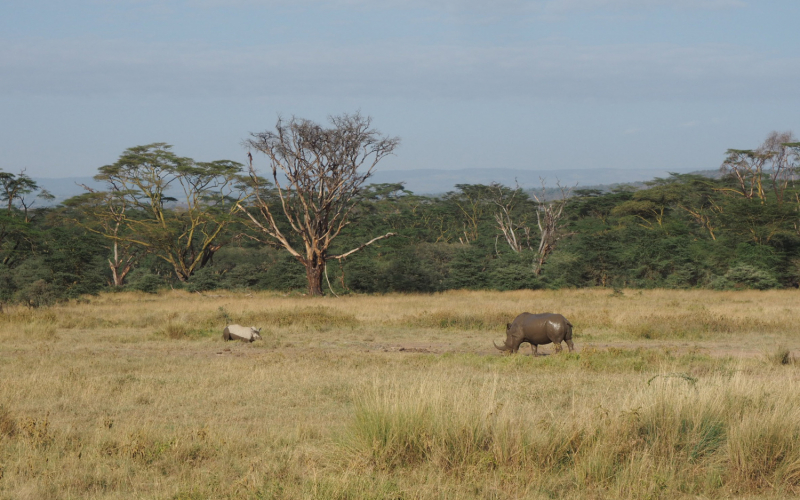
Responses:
[243,333]
[538,329]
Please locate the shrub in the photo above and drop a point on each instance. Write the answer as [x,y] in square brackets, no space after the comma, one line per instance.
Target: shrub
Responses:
[203,280]
[37,294]
[746,276]
[147,283]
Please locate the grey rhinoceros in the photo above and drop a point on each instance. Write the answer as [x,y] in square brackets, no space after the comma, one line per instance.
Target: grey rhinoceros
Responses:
[243,333]
[538,329]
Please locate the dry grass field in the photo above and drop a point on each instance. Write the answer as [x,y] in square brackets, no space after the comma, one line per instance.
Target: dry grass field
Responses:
[671,394]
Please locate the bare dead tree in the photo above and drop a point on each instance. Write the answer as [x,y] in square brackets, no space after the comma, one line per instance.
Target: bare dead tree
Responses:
[517,234]
[548,217]
[778,146]
[318,172]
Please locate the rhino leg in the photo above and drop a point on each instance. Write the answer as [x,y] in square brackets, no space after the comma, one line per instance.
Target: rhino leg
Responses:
[570,345]
[534,350]
[557,346]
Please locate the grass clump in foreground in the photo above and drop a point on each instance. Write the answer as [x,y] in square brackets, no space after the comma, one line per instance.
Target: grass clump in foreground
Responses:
[671,437]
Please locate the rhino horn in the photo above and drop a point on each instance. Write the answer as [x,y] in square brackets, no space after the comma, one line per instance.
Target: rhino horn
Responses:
[504,348]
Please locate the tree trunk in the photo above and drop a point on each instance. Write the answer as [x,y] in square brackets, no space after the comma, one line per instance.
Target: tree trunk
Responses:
[115,279]
[119,270]
[314,274]
[182,274]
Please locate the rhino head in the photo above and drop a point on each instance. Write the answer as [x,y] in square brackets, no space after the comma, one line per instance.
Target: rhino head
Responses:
[255,333]
[507,345]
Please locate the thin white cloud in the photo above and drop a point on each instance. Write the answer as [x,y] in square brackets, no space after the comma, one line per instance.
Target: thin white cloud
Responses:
[477,6]
[591,5]
[397,70]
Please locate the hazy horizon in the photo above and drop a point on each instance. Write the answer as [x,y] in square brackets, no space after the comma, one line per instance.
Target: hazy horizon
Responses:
[522,84]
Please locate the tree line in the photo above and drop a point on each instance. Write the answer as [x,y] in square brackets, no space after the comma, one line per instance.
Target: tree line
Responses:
[315,224]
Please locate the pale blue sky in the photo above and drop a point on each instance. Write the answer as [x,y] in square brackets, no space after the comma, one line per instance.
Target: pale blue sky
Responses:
[527,84]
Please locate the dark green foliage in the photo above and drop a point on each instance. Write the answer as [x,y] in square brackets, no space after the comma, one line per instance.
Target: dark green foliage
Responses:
[283,272]
[512,271]
[146,282]
[682,232]
[364,275]
[746,276]
[469,269]
[203,280]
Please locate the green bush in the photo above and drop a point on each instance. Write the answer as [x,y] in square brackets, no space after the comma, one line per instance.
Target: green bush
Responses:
[512,272]
[38,294]
[203,280]
[745,276]
[147,283]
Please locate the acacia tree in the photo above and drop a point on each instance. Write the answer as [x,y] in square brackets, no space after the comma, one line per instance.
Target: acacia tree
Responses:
[318,173]
[16,193]
[770,162]
[652,206]
[105,213]
[473,202]
[185,230]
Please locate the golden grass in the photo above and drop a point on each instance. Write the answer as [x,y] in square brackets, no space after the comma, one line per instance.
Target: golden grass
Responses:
[671,394]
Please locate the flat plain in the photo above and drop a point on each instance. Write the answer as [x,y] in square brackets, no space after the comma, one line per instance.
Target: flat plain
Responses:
[671,394]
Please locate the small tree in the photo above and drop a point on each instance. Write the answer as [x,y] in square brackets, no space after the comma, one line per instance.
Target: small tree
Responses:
[318,173]
[511,221]
[653,205]
[771,162]
[105,213]
[185,230]
[548,218]
[16,193]
[473,202]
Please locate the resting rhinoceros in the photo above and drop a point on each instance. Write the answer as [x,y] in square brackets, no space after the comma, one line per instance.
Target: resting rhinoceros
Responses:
[538,329]
[243,333]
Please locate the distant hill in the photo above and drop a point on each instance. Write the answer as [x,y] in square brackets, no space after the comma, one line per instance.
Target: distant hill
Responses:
[428,182]
[441,181]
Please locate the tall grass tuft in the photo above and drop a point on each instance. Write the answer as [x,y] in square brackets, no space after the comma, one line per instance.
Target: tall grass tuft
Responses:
[175,330]
[454,427]
[8,425]
[668,437]
[780,356]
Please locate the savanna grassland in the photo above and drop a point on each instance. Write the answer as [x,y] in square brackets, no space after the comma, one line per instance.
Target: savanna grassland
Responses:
[671,394]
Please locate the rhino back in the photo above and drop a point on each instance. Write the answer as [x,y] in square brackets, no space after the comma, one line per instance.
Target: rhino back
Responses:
[543,328]
[238,332]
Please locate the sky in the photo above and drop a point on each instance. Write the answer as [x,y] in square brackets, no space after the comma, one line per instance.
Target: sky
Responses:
[521,84]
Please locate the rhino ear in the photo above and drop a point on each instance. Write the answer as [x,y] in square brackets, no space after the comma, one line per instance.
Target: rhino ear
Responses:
[508,326]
